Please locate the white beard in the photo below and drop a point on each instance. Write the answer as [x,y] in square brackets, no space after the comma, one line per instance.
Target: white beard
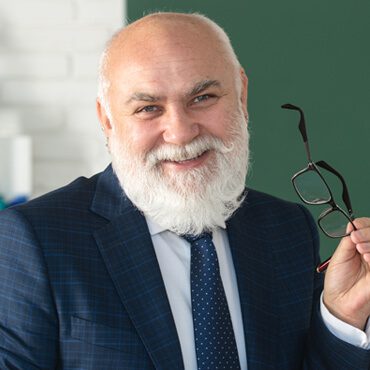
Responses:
[193,201]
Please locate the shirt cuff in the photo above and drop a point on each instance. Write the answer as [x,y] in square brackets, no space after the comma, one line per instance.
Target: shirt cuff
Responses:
[344,331]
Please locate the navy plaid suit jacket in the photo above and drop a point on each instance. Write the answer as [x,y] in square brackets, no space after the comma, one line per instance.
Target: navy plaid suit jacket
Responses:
[80,286]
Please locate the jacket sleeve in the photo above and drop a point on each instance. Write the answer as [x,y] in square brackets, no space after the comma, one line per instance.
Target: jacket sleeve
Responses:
[324,351]
[28,320]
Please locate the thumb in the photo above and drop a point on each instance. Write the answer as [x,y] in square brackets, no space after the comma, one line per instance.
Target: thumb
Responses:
[346,248]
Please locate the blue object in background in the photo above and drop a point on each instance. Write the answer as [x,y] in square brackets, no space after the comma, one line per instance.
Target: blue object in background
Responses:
[17,200]
[2,203]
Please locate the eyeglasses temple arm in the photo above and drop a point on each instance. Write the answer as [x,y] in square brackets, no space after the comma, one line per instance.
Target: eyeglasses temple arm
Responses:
[345,194]
[302,127]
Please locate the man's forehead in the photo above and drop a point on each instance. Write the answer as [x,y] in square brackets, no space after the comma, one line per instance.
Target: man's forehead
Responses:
[164,74]
[167,39]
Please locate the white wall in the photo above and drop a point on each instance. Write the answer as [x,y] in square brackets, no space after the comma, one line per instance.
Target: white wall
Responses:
[49,51]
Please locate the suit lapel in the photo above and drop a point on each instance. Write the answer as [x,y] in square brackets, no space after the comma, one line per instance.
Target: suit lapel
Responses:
[254,270]
[126,247]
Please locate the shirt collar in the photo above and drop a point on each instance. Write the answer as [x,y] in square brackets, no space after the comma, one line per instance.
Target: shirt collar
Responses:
[155,228]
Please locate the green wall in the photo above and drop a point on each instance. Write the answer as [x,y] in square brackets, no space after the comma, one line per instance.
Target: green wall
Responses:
[314,54]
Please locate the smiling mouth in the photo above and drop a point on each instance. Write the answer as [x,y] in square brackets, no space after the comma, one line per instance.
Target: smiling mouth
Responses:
[189,159]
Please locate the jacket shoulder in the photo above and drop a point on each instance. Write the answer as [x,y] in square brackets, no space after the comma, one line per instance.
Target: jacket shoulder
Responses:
[275,214]
[65,208]
[266,204]
[77,194]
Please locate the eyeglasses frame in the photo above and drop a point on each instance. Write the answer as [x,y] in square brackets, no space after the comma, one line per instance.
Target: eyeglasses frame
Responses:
[313,167]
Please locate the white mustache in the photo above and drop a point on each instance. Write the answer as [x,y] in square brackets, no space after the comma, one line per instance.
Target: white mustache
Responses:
[170,152]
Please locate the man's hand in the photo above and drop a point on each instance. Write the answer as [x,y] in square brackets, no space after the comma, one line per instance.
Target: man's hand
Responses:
[347,280]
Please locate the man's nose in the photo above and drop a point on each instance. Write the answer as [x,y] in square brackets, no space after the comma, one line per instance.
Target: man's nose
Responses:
[180,127]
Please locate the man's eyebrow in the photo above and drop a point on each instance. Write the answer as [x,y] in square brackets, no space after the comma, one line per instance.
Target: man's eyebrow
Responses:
[140,96]
[198,88]
[203,85]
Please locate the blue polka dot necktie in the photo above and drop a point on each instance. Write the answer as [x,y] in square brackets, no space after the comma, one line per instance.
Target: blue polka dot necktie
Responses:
[214,336]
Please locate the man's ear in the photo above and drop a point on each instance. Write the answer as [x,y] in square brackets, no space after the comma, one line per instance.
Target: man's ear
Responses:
[103,118]
[244,92]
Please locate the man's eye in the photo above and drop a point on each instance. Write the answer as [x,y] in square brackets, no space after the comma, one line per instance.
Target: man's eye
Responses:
[201,98]
[207,99]
[148,109]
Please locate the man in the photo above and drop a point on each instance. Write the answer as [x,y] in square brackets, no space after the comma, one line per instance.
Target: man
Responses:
[105,273]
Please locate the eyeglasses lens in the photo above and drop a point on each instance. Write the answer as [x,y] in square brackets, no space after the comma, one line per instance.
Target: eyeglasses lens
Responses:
[335,224]
[311,188]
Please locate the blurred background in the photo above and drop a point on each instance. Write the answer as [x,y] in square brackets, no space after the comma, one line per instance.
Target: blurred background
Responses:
[49,52]
[313,54]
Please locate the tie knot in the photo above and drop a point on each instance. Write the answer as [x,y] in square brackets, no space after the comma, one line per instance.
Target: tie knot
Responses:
[193,238]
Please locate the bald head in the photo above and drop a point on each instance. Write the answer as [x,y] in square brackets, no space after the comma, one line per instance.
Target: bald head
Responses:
[163,32]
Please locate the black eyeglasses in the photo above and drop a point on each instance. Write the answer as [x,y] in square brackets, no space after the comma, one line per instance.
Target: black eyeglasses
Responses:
[312,188]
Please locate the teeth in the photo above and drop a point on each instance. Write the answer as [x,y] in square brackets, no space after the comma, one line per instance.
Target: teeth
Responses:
[176,160]
[185,160]
[190,159]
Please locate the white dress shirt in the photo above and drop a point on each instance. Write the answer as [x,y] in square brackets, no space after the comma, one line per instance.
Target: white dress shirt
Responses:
[344,331]
[173,255]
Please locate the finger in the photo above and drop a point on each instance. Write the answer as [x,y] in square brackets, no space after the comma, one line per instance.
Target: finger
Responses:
[363,248]
[345,250]
[348,245]
[350,227]
[362,222]
[361,235]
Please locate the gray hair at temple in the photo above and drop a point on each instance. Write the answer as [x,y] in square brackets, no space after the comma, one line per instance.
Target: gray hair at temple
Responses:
[103,81]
